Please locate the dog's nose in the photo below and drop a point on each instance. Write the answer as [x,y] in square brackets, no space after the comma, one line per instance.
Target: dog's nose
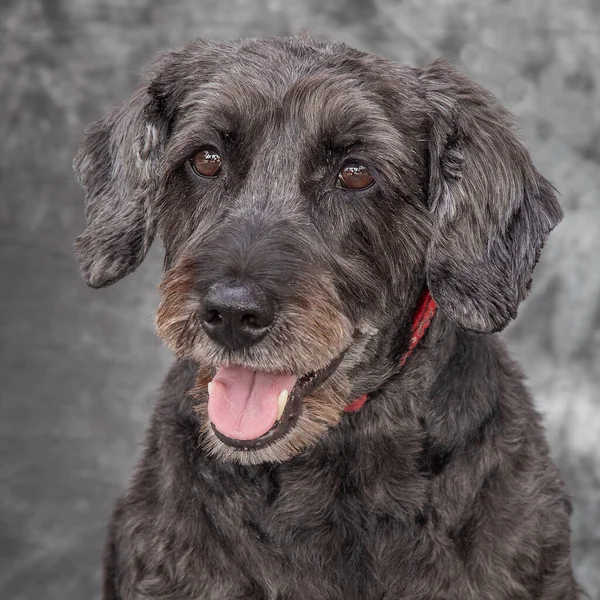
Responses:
[237,315]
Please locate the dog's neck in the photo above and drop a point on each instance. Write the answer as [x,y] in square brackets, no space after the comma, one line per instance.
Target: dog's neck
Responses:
[423,316]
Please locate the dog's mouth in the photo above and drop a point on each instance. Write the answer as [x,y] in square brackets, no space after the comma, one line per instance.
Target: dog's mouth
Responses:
[251,409]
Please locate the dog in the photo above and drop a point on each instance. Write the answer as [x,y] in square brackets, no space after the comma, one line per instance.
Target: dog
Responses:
[342,236]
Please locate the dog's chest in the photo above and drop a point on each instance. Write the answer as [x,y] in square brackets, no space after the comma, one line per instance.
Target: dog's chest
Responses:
[321,534]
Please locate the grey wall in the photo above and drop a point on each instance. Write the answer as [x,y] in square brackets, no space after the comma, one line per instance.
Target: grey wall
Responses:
[78,368]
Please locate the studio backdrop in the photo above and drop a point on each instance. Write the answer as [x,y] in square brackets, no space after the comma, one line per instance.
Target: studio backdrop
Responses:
[79,368]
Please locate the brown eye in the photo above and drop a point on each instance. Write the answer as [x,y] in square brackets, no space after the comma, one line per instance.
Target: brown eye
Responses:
[206,162]
[355,177]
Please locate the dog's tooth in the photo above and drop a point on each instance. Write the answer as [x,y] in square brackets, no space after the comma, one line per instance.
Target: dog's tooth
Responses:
[281,402]
[209,387]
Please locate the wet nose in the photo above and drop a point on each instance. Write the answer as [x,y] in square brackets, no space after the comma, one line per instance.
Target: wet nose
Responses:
[237,315]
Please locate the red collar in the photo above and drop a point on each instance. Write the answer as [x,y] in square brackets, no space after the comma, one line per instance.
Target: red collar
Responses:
[425,311]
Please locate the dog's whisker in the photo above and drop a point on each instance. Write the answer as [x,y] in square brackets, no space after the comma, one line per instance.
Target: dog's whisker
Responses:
[184,330]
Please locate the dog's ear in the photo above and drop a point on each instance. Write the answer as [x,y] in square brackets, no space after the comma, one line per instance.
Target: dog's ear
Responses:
[491,208]
[119,165]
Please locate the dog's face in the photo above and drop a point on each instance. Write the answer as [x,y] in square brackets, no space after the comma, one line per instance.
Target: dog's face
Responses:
[305,194]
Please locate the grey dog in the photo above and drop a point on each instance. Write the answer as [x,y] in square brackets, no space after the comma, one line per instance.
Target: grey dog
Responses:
[309,197]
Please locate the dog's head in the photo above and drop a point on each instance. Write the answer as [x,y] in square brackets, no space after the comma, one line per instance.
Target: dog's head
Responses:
[305,194]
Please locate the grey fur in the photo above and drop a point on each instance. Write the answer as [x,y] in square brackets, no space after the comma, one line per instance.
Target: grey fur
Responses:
[441,487]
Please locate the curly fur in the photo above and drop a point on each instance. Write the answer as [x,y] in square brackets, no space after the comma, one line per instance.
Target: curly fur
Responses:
[441,487]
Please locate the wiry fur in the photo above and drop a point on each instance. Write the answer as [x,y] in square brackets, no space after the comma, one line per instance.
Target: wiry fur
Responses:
[441,487]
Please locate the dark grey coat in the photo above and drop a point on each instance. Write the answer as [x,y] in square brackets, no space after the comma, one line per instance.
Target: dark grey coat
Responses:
[441,486]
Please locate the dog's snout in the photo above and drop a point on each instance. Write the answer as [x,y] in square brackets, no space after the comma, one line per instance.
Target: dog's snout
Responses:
[237,314]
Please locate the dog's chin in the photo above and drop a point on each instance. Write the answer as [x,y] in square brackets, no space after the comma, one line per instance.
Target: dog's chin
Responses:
[314,404]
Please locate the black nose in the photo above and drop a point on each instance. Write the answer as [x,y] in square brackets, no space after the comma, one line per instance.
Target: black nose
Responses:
[236,314]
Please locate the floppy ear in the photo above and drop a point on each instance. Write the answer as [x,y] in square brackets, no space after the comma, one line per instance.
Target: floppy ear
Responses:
[119,163]
[492,210]
[118,167]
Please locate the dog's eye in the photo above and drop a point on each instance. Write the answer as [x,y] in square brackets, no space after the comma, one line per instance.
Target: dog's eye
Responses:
[206,162]
[355,177]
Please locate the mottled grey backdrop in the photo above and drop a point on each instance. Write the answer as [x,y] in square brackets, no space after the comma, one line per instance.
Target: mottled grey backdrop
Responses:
[79,368]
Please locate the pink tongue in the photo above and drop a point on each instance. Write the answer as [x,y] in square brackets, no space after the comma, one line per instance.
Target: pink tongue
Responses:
[242,404]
